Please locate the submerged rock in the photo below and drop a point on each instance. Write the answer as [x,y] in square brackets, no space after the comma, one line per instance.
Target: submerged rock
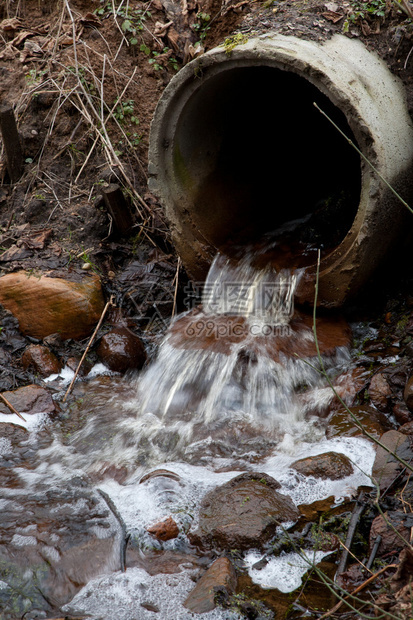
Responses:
[53,540]
[330,465]
[45,305]
[218,578]
[120,349]
[243,513]
[370,420]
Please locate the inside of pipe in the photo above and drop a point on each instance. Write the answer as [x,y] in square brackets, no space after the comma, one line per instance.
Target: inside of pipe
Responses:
[252,153]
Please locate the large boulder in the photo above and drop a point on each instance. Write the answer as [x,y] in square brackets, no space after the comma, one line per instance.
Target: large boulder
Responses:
[46,305]
[243,513]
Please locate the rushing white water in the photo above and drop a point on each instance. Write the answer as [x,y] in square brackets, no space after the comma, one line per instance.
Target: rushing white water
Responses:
[222,396]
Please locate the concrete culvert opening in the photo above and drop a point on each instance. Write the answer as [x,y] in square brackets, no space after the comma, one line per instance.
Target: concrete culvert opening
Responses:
[251,152]
[237,150]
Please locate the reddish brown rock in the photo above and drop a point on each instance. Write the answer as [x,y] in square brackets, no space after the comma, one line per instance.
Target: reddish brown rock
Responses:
[120,349]
[73,363]
[165,530]
[394,533]
[386,467]
[408,394]
[348,385]
[190,332]
[220,576]
[380,391]
[330,465]
[342,423]
[401,413]
[311,512]
[45,305]
[29,399]
[407,429]
[242,513]
[41,359]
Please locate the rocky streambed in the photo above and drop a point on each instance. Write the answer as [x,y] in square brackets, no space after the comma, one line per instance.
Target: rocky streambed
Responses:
[107,508]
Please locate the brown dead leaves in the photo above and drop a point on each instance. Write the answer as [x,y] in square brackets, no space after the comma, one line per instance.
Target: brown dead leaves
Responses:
[31,43]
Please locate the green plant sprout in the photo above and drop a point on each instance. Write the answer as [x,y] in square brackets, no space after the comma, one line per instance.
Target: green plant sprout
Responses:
[133,19]
[125,112]
[201,26]
[363,10]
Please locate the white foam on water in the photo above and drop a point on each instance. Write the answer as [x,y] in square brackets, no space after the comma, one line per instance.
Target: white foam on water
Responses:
[32,421]
[308,489]
[99,369]
[284,572]
[121,596]
[23,541]
[65,376]
[142,504]
[5,445]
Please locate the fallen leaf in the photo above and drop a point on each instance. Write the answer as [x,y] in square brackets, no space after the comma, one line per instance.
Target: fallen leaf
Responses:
[90,20]
[10,25]
[365,28]
[332,16]
[14,253]
[37,241]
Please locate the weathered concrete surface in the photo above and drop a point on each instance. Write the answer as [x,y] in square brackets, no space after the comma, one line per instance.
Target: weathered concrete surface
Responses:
[219,183]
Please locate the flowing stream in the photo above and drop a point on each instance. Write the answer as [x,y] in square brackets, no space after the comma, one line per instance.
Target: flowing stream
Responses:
[236,386]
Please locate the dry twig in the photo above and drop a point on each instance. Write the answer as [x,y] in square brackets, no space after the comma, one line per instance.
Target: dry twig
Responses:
[105,309]
[10,406]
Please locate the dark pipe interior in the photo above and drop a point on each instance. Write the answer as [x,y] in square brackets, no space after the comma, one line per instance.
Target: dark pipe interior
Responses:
[253,152]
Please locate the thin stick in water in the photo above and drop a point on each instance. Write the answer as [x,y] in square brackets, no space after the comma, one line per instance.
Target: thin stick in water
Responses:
[10,406]
[105,309]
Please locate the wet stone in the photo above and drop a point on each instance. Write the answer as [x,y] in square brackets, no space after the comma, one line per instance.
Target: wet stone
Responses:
[53,540]
[46,305]
[313,511]
[401,413]
[394,529]
[408,394]
[342,423]
[330,465]
[41,359]
[386,467]
[29,399]
[380,391]
[121,349]
[165,530]
[242,513]
[219,578]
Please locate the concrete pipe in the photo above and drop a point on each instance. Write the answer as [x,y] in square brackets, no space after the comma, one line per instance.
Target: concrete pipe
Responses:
[237,149]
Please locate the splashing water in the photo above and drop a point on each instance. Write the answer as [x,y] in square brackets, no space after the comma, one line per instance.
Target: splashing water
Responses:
[236,386]
[238,358]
